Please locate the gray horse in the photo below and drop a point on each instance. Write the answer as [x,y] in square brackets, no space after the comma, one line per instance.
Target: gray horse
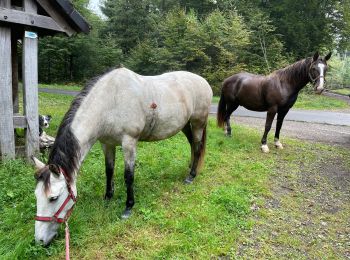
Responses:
[118,108]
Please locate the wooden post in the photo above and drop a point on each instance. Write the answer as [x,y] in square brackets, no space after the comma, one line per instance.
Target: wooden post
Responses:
[14,57]
[7,139]
[30,84]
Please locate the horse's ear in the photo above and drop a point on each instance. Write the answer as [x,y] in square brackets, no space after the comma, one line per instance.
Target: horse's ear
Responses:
[316,55]
[54,169]
[328,56]
[38,164]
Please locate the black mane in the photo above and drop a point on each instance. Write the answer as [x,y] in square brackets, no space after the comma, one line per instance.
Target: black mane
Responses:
[65,152]
[297,74]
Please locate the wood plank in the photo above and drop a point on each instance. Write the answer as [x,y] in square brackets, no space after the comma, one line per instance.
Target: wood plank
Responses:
[19,121]
[5,3]
[58,18]
[29,6]
[7,138]
[30,85]
[14,57]
[24,18]
[21,151]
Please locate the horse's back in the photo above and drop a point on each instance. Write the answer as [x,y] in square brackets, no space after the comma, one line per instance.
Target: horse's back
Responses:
[179,97]
[152,107]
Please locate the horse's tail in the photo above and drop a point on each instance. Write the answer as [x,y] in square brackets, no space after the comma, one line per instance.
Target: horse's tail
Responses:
[220,117]
[202,148]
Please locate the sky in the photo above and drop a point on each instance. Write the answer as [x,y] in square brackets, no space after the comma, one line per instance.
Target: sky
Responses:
[94,6]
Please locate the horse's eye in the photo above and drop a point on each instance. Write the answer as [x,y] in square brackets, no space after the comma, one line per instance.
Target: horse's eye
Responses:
[52,199]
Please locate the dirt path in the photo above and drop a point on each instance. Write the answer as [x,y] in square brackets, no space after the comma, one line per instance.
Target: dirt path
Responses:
[307,214]
[328,134]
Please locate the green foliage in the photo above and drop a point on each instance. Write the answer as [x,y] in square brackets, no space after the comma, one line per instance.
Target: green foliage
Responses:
[214,38]
[304,25]
[210,47]
[339,74]
[78,58]
[129,22]
[343,25]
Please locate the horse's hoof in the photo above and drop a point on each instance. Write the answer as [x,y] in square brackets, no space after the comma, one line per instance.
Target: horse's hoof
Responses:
[265,148]
[189,179]
[228,135]
[279,145]
[126,214]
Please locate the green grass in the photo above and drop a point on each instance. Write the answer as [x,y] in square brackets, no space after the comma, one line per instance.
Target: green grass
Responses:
[312,102]
[215,99]
[342,91]
[170,220]
[319,102]
[74,87]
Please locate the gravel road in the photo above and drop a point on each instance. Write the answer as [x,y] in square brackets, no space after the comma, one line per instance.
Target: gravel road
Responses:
[329,134]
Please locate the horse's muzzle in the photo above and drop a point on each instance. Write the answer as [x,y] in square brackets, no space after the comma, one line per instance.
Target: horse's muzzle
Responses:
[45,241]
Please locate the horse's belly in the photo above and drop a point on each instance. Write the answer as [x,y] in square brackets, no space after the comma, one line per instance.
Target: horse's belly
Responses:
[164,123]
[255,108]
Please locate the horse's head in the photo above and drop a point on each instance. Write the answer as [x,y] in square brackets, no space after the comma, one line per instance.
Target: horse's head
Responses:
[55,197]
[317,71]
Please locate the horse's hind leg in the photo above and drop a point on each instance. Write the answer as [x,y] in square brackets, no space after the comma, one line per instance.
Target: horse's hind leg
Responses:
[230,108]
[188,133]
[109,152]
[129,150]
[199,142]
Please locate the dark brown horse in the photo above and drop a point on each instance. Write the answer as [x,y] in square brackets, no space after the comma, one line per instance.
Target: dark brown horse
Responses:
[275,93]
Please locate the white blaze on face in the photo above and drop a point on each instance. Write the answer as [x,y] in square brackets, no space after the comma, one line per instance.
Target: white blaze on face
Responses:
[321,67]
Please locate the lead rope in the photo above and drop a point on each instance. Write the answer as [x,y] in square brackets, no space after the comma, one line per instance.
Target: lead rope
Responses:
[67,240]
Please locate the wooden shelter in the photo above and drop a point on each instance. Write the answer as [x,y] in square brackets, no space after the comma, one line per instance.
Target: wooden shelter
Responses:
[24,21]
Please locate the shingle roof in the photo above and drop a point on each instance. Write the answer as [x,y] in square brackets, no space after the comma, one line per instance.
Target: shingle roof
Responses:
[73,17]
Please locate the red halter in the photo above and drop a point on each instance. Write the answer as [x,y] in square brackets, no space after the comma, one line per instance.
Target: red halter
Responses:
[70,196]
[55,217]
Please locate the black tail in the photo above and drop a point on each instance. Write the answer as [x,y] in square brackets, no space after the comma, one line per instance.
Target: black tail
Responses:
[221,111]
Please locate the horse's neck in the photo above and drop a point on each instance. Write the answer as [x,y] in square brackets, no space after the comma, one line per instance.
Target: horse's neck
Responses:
[70,148]
[299,77]
[85,137]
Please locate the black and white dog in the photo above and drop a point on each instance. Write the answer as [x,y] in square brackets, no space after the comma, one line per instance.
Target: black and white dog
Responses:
[45,141]
[44,122]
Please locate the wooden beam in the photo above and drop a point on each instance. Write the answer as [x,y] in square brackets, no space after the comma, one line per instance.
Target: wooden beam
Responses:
[19,121]
[30,84]
[58,18]
[25,18]
[7,138]
[5,3]
[14,57]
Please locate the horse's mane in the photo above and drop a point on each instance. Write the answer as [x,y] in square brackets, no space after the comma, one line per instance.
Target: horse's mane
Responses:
[295,73]
[65,152]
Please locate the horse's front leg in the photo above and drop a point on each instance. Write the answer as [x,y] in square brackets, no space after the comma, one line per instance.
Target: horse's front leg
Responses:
[129,150]
[109,152]
[269,119]
[280,118]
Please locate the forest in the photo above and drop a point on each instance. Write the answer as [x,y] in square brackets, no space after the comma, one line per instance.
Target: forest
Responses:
[213,38]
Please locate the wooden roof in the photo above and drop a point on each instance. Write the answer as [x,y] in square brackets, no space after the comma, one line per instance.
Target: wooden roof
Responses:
[52,16]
